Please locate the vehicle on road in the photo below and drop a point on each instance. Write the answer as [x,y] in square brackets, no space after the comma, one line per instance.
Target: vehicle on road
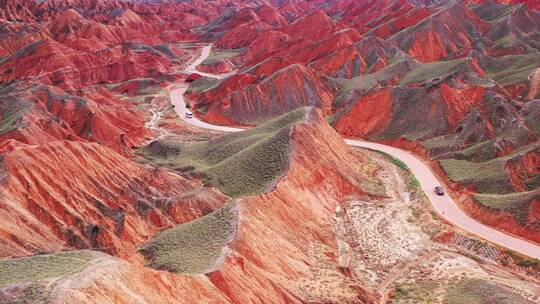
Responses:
[189,115]
[439,190]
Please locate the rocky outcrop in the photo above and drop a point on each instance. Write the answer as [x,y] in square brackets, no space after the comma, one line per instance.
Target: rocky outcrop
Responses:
[369,116]
[322,47]
[287,89]
[269,66]
[265,44]
[515,32]
[369,55]
[441,34]
[460,101]
[313,26]
[271,16]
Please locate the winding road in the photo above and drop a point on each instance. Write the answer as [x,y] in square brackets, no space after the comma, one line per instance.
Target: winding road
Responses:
[444,205]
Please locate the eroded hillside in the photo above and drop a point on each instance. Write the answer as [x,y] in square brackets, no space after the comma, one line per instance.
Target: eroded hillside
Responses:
[454,78]
[110,194]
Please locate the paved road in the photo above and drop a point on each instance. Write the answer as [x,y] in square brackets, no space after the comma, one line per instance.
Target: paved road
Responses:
[205,52]
[444,205]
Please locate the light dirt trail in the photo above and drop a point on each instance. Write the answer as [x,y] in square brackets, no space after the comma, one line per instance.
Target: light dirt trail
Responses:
[443,205]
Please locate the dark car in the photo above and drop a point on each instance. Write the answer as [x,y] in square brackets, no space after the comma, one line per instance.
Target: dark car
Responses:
[439,190]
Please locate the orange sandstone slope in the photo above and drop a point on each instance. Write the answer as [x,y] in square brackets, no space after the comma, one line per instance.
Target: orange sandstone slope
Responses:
[441,34]
[36,114]
[69,194]
[278,233]
[281,246]
[289,88]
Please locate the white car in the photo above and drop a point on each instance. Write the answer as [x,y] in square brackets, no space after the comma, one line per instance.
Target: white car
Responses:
[189,115]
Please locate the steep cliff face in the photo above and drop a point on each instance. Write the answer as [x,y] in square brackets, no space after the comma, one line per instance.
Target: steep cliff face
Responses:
[67,194]
[370,115]
[266,43]
[313,26]
[441,34]
[287,89]
[367,56]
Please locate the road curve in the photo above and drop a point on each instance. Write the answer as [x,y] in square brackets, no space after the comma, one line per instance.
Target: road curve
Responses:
[443,205]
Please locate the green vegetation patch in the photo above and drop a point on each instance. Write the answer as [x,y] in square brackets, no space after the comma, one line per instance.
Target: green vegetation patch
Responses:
[238,164]
[487,177]
[415,293]
[40,267]
[203,84]
[194,247]
[443,143]
[434,70]
[492,11]
[10,117]
[511,69]
[479,152]
[507,201]
[395,161]
[412,182]
[399,66]
[477,291]
[141,86]
[161,49]
[216,56]
[514,203]
[522,260]
[532,116]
